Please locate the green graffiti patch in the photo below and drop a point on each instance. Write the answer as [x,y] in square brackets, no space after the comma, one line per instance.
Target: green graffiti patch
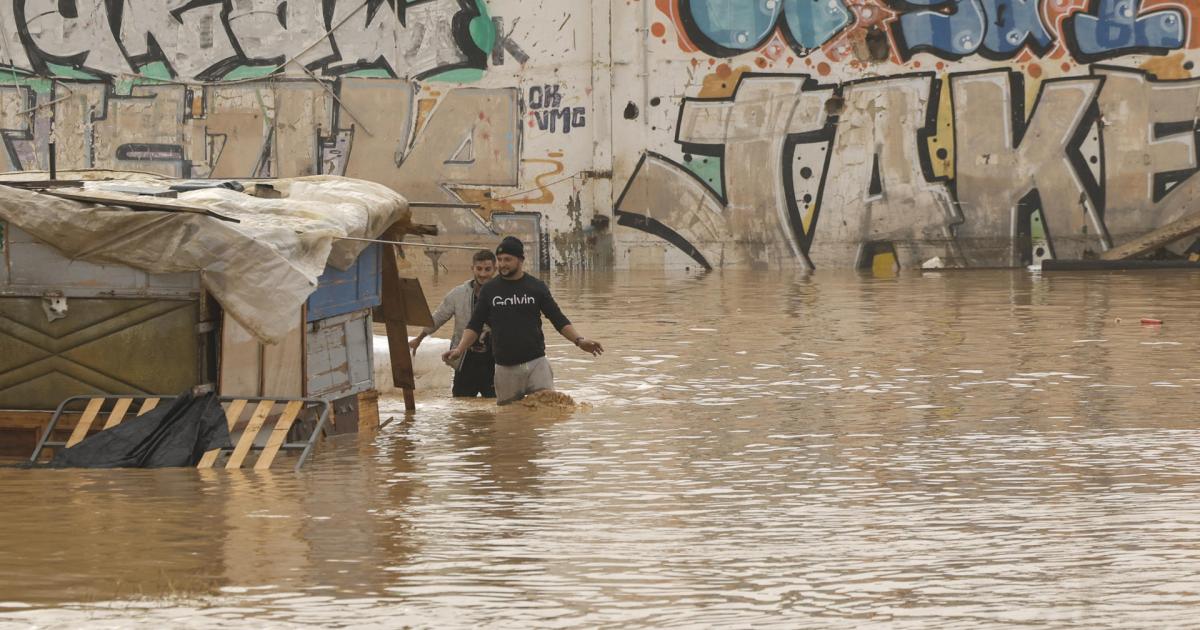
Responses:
[156,71]
[708,169]
[461,75]
[370,73]
[67,72]
[1037,227]
[483,31]
[483,35]
[249,72]
[37,84]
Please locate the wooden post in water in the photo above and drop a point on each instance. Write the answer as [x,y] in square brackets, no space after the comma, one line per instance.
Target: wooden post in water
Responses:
[403,305]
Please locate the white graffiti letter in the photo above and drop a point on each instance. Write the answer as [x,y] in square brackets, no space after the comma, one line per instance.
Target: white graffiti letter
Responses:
[424,43]
[277,30]
[191,38]
[876,190]
[997,166]
[1131,104]
[75,34]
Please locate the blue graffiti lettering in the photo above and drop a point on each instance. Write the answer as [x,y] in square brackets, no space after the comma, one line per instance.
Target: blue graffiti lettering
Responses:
[998,29]
[1114,28]
[1012,24]
[952,35]
[730,27]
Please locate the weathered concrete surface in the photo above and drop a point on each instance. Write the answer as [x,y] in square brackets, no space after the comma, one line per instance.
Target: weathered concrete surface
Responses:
[664,132]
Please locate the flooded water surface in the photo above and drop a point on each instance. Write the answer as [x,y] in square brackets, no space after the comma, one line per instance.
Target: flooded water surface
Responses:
[953,450]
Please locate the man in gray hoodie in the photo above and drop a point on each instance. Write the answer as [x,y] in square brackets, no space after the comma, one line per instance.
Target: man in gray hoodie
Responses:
[475,370]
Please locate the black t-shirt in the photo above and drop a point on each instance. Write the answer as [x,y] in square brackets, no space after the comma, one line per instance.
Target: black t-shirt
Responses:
[513,310]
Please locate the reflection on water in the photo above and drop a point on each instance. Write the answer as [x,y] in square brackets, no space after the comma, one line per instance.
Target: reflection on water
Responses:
[953,450]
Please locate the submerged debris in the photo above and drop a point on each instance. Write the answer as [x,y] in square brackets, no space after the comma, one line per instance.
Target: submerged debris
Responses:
[550,400]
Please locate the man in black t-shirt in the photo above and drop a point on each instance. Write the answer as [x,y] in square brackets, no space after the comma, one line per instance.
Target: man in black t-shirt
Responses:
[512,305]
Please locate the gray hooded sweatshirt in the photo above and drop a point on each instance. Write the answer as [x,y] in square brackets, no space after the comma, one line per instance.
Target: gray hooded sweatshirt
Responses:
[459,303]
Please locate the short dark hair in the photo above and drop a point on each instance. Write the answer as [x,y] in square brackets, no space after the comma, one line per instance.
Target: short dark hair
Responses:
[483,255]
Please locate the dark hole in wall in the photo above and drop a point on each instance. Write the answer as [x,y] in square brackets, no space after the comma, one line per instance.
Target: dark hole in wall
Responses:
[835,106]
[877,44]
[631,111]
[876,187]
[1027,208]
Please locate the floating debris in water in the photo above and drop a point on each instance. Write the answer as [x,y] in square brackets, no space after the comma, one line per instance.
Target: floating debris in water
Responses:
[550,400]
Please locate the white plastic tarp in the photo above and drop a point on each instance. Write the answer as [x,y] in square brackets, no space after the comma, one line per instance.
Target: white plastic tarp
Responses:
[261,269]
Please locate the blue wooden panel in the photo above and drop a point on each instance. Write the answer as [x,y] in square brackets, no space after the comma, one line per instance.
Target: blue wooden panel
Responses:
[340,292]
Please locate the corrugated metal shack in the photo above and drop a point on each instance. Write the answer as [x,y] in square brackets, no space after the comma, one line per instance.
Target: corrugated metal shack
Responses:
[72,327]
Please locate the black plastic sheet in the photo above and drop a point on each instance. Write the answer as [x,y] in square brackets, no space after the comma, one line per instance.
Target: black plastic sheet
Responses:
[168,436]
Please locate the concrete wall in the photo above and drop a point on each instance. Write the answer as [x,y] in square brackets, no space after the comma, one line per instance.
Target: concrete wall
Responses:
[647,133]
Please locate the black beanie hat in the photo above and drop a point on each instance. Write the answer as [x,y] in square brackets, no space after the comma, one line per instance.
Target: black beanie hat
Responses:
[512,246]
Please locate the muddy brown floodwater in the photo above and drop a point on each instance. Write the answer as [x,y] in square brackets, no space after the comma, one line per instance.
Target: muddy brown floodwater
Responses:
[953,450]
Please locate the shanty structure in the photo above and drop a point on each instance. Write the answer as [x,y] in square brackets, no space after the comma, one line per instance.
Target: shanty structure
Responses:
[131,285]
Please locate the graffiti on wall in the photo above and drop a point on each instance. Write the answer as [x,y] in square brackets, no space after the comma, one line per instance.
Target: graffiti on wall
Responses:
[547,113]
[470,137]
[832,175]
[181,88]
[197,40]
[982,132]
[1090,30]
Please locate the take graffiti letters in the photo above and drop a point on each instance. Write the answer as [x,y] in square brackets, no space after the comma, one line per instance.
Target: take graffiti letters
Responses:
[983,132]
[851,165]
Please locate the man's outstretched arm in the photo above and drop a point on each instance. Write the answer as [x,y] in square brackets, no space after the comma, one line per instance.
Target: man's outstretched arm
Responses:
[589,346]
[468,339]
[441,315]
[565,328]
[483,310]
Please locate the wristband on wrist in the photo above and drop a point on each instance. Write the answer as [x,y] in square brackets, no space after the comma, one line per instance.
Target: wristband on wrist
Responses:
[578,339]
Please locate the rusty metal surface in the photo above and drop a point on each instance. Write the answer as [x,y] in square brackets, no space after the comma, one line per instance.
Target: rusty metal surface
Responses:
[101,346]
[340,357]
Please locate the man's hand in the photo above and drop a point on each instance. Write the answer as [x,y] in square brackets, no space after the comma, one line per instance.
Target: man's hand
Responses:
[591,347]
[451,355]
[414,343]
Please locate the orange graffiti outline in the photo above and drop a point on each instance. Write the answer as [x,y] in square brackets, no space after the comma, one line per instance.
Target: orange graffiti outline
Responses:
[547,197]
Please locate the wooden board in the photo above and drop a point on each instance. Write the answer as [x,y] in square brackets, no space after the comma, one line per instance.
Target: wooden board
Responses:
[20,431]
[251,368]
[403,305]
[279,435]
[241,360]
[249,434]
[283,364]
[118,413]
[403,298]
[368,410]
[1167,234]
[85,421]
[232,414]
